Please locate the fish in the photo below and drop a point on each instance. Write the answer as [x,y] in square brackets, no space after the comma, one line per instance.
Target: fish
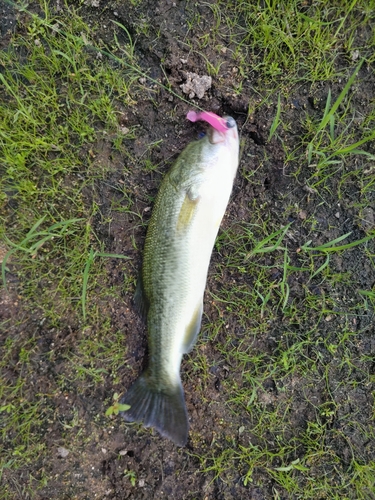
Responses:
[184,223]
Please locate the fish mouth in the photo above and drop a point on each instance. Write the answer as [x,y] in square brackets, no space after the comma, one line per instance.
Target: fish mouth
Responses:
[216,136]
[220,127]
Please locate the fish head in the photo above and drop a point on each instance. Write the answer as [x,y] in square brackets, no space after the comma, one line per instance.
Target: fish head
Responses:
[229,135]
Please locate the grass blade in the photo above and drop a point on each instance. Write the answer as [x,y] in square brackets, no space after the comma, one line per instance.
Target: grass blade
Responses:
[276,120]
[260,248]
[113,256]
[86,271]
[345,90]
[320,269]
[327,247]
[329,244]
[352,148]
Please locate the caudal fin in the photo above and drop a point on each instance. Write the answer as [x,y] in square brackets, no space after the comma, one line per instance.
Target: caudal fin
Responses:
[165,410]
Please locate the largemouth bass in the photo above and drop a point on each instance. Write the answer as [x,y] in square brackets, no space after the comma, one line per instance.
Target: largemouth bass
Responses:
[184,224]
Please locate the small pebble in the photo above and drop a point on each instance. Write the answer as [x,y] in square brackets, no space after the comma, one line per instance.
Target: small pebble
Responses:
[196,85]
[62,452]
[355,55]
[368,219]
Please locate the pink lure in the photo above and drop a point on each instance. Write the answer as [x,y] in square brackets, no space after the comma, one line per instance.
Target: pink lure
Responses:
[215,121]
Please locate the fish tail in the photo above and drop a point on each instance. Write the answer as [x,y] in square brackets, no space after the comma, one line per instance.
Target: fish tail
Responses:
[164,409]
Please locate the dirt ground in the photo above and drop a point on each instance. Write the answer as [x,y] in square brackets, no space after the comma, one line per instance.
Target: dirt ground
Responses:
[93,462]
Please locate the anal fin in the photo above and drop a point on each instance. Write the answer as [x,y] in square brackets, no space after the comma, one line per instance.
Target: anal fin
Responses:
[193,328]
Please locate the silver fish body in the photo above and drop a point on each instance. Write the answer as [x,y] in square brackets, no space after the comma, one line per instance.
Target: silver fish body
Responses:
[185,220]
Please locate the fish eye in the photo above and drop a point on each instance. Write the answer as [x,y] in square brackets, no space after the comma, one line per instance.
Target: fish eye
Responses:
[230,123]
[201,135]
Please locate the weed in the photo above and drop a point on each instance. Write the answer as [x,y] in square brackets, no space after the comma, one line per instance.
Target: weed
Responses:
[116,406]
[276,121]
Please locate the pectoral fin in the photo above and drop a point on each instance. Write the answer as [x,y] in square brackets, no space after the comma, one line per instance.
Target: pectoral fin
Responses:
[186,214]
[193,328]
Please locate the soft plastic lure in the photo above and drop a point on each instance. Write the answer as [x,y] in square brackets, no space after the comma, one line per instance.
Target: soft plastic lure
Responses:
[218,123]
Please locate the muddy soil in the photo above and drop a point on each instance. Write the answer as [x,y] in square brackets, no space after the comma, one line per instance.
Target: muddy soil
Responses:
[108,455]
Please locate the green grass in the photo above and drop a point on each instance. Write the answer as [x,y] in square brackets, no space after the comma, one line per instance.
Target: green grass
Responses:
[58,105]
[293,42]
[292,320]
